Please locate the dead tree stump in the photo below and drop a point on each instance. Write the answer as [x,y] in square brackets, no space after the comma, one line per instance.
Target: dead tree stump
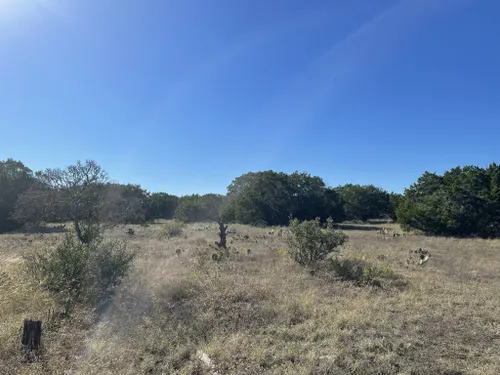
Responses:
[222,235]
[31,339]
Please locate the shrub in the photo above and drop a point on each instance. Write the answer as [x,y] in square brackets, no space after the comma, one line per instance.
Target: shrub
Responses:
[362,272]
[309,243]
[172,229]
[81,272]
[349,269]
[109,263]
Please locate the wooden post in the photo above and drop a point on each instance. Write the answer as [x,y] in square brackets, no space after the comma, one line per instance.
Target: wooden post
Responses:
[31,338]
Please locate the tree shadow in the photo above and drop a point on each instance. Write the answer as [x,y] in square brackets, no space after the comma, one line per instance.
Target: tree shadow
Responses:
[45,229]
[358,227]
[380,221]
[55,229]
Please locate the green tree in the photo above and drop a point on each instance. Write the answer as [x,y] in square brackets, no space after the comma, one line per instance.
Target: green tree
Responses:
[271,198]
[15,179]
[80,193]
[308,199]
[126,204]
[262,198]
[194,208]
[31,208]
[333,206]
[364,202]
[161,206]
[462,202]
[394,199]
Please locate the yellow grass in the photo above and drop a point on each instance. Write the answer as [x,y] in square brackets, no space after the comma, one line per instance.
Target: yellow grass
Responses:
[259,313]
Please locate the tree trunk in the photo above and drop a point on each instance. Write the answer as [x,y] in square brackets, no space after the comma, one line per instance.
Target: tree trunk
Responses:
[84,238]
[222,235]
[31,338]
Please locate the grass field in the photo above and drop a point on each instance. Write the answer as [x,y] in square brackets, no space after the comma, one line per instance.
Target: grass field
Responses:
[259,313]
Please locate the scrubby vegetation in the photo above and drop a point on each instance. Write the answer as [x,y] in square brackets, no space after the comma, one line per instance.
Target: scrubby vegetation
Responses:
[80,272]
[462,202]
[310,244]
[172,229]
[260,312]
[298,291]
[363,272]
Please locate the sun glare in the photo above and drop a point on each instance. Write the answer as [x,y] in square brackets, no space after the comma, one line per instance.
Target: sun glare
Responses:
[10,7]
[4,6]
[15,9]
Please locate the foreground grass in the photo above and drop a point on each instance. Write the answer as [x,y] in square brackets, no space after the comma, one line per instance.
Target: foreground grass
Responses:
[259,313]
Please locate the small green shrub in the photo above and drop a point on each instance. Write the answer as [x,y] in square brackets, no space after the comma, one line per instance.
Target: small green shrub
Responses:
[309,243]
[349,269]
[361,271]
[172,229]
[374,272]
[109,263]
[81,272]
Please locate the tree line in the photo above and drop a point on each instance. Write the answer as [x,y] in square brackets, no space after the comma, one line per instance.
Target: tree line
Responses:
[462,202]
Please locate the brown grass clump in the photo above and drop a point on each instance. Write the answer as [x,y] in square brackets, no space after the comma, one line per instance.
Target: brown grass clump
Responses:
[172,228]
[258,312]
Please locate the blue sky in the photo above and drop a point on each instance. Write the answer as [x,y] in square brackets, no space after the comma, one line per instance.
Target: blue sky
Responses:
[184,95]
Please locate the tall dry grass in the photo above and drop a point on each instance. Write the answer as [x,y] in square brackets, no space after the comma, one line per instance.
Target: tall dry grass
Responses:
[260,313]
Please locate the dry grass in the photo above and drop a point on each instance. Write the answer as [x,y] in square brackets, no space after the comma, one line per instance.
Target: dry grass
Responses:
[259,313]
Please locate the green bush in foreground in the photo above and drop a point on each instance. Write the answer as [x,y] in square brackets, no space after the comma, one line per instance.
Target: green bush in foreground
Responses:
[81,272]
[309,243]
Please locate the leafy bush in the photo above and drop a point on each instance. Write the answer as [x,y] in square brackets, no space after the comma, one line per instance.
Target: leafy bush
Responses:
[309,243]
[172,229]
[81,272]
[109,262]
[349,269]
[361,272]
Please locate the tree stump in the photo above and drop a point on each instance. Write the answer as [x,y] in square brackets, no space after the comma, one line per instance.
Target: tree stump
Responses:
[31,339]
[222,235]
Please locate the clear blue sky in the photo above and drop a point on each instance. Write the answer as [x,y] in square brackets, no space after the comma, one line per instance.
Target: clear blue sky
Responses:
[184,95]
